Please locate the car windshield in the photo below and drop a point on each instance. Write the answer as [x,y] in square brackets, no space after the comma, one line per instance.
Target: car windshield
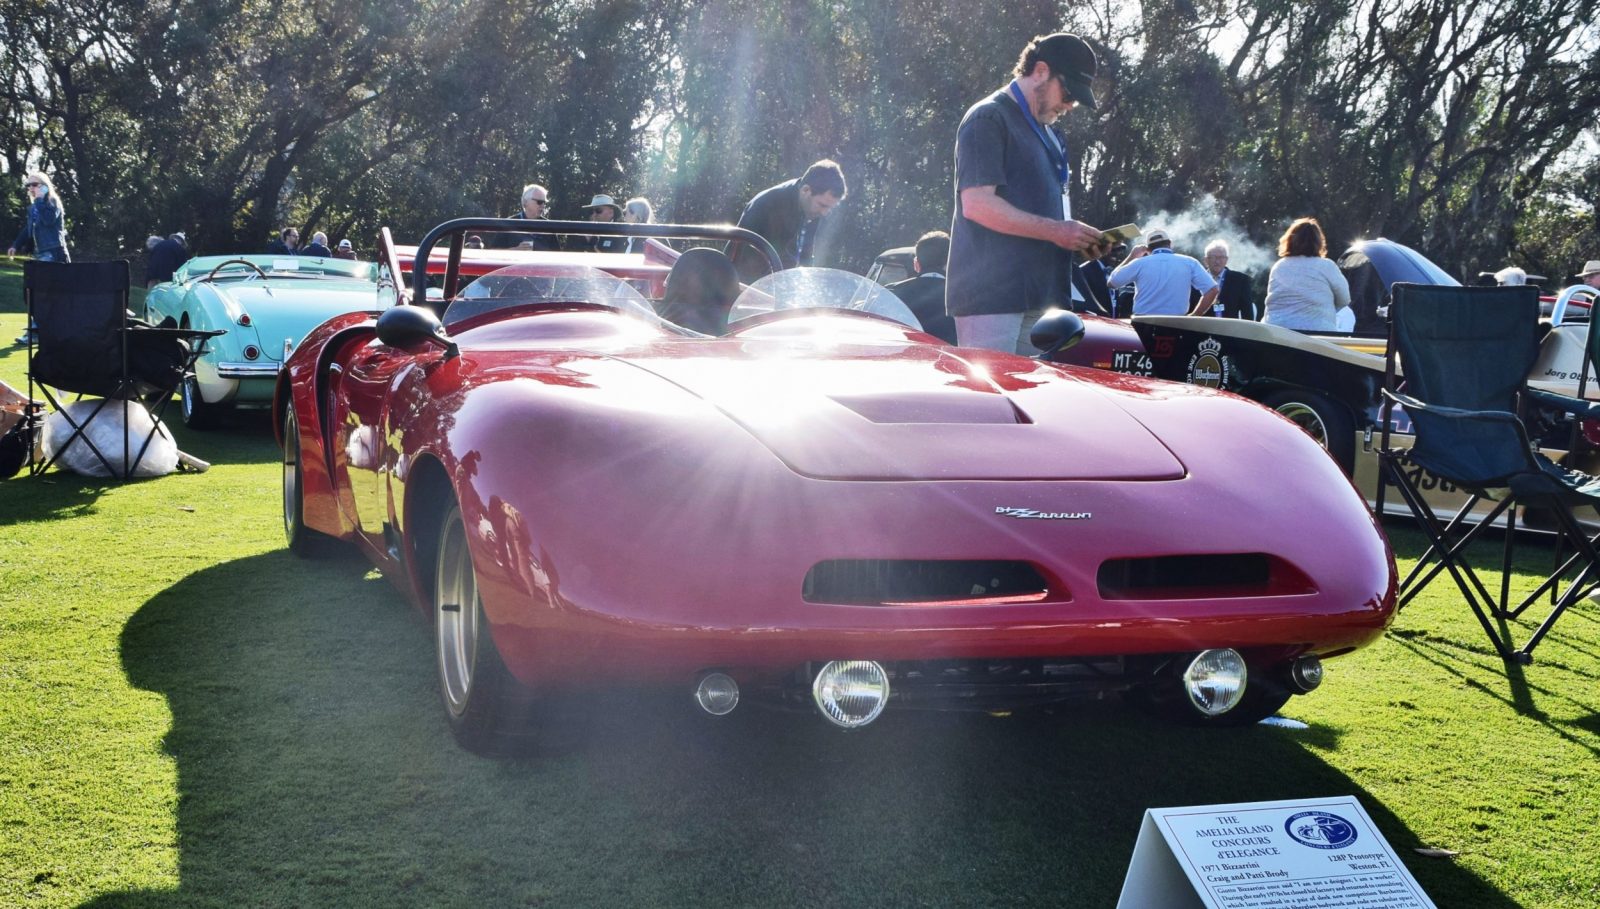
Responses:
[251,268]
[521,285]
[820,289]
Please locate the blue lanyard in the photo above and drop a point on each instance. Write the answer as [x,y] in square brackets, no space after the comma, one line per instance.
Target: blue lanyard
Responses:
[1058,153]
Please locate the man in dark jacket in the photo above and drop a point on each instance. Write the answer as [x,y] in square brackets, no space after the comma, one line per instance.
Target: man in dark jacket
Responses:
[286,244]
[924,292]
[318,246]
[165,258]
[535,207]
[1092,278]
[787,215]
[1234,300]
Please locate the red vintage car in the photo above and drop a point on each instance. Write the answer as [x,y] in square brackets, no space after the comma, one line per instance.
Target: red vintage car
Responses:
[823,506]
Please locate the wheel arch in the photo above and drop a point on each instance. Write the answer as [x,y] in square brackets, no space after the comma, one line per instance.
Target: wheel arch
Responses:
[428,495]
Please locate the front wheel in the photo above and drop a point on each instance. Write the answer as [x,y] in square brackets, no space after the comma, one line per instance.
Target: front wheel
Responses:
[303,541]
[1166,700]
[487,708]
[1323,419]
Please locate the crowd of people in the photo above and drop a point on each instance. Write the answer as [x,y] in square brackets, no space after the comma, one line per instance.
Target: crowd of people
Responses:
[1008,257]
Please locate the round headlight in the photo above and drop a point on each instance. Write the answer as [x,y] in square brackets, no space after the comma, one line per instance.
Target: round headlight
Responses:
[1215,681]
[851,693]
[717,694]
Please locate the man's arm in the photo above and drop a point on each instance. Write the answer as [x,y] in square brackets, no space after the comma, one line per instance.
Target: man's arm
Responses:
[1127,271]
[984,206]
[1199,279]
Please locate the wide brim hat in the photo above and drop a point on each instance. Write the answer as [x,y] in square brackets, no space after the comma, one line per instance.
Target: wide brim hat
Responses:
[604,201]
[1591,267]
[1071,58]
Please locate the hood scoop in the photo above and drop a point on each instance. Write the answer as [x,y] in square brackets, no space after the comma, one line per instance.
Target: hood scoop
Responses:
[957,406]
[912,412]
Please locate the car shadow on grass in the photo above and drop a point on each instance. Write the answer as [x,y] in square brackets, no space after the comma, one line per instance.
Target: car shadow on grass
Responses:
[314,768]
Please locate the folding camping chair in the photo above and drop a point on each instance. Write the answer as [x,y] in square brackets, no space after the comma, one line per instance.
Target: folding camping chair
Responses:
[85,343]
[1465,353]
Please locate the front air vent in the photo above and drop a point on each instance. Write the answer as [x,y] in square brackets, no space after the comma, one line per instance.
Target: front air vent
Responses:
[1184,577]
[923,582]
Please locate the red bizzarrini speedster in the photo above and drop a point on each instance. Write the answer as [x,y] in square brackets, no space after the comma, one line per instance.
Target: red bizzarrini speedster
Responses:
[821,506]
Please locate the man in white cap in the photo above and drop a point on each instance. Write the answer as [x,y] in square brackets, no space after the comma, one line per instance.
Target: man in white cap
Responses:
[1012,237]
[604,209]
[1591,273]
[1162,279]
[345,249]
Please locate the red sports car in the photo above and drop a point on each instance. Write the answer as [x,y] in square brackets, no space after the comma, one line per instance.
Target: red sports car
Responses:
[822,505]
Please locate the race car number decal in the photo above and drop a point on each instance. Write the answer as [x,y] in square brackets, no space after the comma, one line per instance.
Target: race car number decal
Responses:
[1135,362]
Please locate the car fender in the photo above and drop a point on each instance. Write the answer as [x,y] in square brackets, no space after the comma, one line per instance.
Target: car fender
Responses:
[304,381]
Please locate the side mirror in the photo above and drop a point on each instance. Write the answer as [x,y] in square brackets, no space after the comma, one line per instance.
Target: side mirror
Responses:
[1056,331]
[407,326]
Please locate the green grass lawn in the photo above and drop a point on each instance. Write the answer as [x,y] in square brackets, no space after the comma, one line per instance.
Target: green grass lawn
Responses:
[189,716]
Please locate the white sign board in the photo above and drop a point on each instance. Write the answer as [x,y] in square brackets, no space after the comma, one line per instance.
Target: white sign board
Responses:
[1322,853]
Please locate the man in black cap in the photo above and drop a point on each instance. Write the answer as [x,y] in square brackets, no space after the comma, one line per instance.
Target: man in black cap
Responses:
[1013,231]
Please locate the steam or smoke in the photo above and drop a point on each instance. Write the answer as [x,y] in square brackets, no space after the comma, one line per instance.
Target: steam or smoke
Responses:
[1203,222]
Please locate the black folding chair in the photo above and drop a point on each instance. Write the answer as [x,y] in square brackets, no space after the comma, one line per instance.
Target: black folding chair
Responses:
[85,343]
[1465,353]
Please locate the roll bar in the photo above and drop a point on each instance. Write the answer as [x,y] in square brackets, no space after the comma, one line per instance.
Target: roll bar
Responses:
[1558,312]
[457,230]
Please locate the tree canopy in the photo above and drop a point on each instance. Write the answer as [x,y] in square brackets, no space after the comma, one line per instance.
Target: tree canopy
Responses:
[1461,127]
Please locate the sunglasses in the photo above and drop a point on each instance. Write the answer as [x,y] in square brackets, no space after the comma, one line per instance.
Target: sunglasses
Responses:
[540,201]
[31,185]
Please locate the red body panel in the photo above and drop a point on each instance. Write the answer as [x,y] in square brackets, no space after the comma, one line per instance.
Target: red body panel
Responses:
[642,506]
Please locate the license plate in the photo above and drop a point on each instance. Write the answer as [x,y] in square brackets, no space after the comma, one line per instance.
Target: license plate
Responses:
[1136,362]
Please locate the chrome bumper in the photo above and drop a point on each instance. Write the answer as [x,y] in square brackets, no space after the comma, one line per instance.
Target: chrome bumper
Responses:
[265,370]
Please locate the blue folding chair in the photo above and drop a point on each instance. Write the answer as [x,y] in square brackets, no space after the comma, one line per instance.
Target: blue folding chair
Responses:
[1465,353]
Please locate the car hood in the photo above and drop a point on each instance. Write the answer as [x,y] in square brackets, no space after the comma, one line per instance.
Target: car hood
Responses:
[904,412]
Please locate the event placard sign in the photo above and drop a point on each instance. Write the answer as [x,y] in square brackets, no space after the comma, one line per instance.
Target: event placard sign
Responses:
[1322,853]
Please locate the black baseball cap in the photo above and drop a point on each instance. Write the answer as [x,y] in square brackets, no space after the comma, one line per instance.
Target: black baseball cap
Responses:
[1071,58]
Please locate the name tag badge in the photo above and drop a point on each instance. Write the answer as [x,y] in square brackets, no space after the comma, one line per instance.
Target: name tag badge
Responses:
[1066,205]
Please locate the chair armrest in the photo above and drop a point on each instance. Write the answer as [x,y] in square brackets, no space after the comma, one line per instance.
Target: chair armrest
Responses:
[1578,407]
[1472,448]
[1453,414]
[184,333]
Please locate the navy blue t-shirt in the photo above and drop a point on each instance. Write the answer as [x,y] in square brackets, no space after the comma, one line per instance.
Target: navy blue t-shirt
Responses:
[991,272]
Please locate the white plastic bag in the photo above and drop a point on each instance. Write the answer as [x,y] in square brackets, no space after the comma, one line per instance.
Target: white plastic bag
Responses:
[106,432]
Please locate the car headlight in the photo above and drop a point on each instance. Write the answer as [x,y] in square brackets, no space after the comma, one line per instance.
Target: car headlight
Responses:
[1215,681]
[717,693]
[851,693]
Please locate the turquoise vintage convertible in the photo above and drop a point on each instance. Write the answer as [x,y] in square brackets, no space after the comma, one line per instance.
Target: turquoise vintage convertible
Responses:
[266,304]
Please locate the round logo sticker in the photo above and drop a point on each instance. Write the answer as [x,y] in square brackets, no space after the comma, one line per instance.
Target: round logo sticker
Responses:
[1320,830]
[1208,367]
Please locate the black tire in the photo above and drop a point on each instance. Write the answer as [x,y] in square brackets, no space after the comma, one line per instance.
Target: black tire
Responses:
[197,414]
[303,541]
[489,711]
[1323,419]
[1169,703]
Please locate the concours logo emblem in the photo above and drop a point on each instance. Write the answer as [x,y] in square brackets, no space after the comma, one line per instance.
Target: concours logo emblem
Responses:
[1208,367]
[1320,830]
[1043,515]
